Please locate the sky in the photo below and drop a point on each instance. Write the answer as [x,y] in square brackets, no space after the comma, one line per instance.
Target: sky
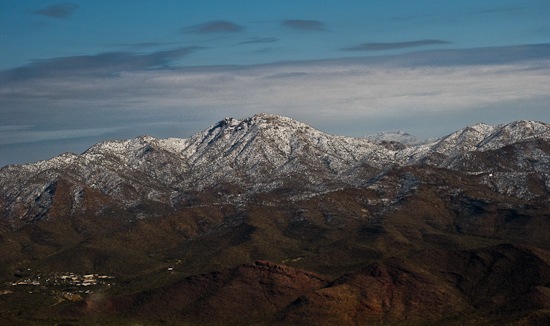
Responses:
[80,72]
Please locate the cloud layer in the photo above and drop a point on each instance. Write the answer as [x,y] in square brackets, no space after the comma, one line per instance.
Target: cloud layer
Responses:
[216,26]
[394,45]
[58,10]
[103,64]
[122,95]
[257,40]
[304,25]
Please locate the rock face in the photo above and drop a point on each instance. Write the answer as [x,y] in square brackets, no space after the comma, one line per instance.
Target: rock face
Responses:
[504,278]
[242,295]
[267,221]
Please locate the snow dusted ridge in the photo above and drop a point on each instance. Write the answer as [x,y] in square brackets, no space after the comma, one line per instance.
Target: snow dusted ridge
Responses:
[397,136]
[267,152]
[482,137]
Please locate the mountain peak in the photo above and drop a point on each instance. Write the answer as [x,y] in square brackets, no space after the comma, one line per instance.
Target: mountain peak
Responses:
[396,136]
[528,127]
[263,121]
[268,141]
[268,116]
[259,153]
[268,119]
[479,127]
[481,136]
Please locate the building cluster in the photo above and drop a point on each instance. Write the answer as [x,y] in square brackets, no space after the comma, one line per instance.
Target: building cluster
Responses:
[65,279]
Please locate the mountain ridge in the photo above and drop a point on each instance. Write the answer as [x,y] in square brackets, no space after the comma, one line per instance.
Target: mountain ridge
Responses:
[487,136]
[268,221]
[266,152]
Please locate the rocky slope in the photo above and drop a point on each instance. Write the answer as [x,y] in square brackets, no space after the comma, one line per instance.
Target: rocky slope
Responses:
[266,153]
[268,221]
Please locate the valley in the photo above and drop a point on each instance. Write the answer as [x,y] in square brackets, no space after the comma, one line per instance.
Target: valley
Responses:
[267,221]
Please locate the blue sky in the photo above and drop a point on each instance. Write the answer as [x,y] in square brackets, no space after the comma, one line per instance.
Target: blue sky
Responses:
[78,72]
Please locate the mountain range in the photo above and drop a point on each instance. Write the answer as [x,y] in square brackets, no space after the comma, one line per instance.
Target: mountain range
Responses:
[266,220]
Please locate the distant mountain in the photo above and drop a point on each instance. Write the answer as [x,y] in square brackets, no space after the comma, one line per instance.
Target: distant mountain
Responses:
[397,136]
[270,216]
[258,155]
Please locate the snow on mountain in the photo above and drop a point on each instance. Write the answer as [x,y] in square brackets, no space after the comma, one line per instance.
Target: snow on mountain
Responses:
[267,152]
[514,132]
[463,140]
[265,147]
[396,136]
[481,137]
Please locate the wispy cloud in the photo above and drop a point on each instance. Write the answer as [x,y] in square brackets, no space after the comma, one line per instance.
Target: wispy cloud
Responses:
[103,64]
[304,25]
[394,45]
[27,135]
[216,26]
[145,45]
[347,96]
[256,40]
[58,10]
[11,128]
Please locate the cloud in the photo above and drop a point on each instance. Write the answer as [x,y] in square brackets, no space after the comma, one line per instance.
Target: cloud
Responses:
[287,75]
[14,128]
[103,64]
[145,45]
[58,10]
[216,26]
[477,56]
[346,96]
[21,136]
[256,40]
[304,25]
[394,45]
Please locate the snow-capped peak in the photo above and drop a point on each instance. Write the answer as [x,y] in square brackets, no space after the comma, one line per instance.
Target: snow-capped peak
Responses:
[514,132]
[266,140]
[258,154]
[396,136]
[481,137]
